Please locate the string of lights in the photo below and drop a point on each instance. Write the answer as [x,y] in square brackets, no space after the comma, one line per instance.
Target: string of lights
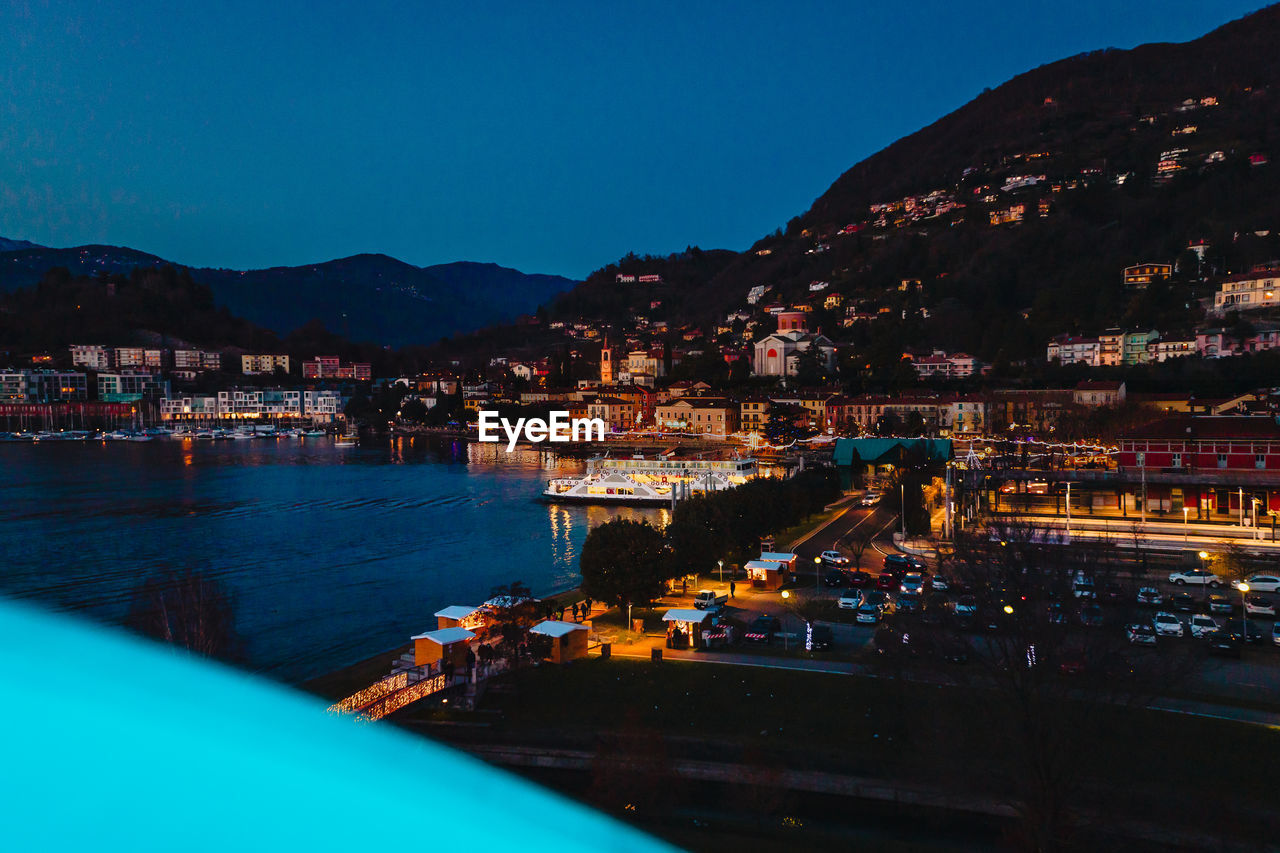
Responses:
[371,694]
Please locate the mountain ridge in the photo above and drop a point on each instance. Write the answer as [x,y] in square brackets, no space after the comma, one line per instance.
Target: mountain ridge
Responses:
[367,296]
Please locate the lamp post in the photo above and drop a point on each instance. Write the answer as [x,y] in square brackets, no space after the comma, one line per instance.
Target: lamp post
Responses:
[1185,511]
[720,563]
[1244,612]
[817,565]
[902,508]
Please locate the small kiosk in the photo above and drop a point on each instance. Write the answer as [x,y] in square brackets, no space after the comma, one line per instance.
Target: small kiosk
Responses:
[461,616]
[446,645]
[766,574]
[685,626]
[568,639]
[789,561]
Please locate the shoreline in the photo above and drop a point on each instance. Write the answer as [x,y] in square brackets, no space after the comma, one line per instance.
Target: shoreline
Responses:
[345,680]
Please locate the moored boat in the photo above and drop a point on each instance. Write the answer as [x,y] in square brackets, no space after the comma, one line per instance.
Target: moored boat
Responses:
[650,481]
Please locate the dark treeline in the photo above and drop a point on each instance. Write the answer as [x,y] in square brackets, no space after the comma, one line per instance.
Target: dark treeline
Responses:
[624,561]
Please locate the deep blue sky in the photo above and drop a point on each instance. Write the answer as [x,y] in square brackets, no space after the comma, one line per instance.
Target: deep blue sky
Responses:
[552,137]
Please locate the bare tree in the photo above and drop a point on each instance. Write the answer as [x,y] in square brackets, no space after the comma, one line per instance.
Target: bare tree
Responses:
[1042,670]
[186,608]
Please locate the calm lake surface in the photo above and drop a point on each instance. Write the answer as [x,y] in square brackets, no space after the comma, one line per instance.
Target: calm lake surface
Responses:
[332,554]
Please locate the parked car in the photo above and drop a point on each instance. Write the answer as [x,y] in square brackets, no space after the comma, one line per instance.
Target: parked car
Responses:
[879,598]
[1194,577]
[870,498]
[966,605]
[1083,588]
[1275,633]
[1249,631]
[836,578]
[886,580]
[820,638]
[909,602]
[1140,635]
[833,558]
[912,582]
[1220,604]
[1262,583]
[1113,593]
[1182,601]
[1167,625]
[857,578]
[1225,644]
[1057,614]
[941,583]
[762,629]
[918,565]
[1259,605]
[1150,595]
[1203,626]
[897,564]
[868,614]
[850,599]
[1091,616]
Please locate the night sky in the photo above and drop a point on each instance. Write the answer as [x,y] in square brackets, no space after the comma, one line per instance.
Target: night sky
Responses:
[549,137]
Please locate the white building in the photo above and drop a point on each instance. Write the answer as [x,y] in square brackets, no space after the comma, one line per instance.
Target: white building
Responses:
[1256,289]
[779,353]
[1069,350]
[91,356]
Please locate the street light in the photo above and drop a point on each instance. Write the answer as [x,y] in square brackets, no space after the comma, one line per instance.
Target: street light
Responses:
[817,561]
[721,564]
[1244,612]
[1185,510]
[786,593]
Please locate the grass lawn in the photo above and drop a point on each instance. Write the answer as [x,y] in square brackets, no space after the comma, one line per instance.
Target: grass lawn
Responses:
[789,535]
[1137,761]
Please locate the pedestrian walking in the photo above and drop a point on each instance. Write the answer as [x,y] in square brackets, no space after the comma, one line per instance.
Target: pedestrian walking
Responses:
[733,588]
[684,586]
[575,611]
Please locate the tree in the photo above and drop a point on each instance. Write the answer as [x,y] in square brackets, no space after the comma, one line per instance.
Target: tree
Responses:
[1050,685]
[512,611]
[624,562]
[186,608]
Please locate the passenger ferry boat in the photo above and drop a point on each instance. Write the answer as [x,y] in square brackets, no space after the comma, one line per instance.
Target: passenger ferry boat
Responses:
[649,481]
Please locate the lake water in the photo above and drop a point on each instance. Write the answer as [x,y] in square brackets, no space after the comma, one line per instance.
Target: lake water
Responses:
[331,554]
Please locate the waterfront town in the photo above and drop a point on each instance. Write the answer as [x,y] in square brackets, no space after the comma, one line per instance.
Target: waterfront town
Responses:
[385,470]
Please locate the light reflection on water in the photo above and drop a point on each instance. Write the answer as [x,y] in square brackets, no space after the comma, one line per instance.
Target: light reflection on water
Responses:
[333,554]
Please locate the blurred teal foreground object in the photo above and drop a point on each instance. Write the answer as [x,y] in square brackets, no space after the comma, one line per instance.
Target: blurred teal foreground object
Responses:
[112,743]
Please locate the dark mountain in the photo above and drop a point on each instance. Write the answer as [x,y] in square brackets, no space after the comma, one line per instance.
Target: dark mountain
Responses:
[365,297]
[1012,218]
[7,245]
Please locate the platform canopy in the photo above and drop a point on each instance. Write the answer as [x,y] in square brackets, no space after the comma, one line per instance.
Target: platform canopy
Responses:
[445,636]
[763,565]
[556,628]
[685,614]
[777,556]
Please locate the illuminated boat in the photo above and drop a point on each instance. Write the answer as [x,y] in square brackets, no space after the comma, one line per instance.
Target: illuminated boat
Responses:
[649,481]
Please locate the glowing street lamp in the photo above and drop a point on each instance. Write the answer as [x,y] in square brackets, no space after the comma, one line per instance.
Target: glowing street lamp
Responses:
[1185,511]
[1244,611]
